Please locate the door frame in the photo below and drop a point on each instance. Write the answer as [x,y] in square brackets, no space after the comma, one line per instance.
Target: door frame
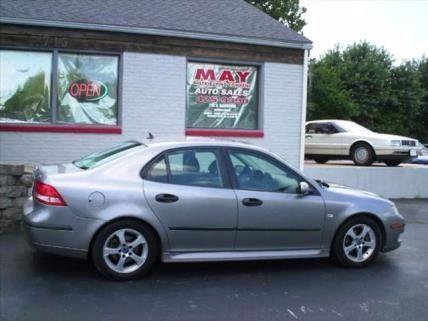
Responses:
[225,176]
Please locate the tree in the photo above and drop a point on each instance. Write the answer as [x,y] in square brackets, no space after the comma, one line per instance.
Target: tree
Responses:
[423,120]
[404,102]
[361,83]
[288,12]
[365,72]
[331,99]
[356,80]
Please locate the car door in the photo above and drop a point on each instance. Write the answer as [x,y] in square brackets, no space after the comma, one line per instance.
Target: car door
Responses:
[189,192]
[323,139]
[272,215]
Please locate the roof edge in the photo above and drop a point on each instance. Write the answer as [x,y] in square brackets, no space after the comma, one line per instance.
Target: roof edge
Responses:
[156,32]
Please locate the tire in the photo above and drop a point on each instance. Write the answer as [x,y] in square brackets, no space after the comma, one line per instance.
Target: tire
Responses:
[321,160]
[131,258]
[361,250]
[393,162]
[362,154]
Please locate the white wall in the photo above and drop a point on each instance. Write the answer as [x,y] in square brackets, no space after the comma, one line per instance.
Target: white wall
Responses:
[153,99]
[390,182]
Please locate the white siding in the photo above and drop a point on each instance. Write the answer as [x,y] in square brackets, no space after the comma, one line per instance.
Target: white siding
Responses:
[153,99]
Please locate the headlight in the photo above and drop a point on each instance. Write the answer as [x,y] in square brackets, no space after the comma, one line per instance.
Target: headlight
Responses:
[395,142]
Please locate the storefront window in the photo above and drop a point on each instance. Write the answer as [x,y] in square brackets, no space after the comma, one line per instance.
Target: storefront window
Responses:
[87,89]
[222,96]
[25,86]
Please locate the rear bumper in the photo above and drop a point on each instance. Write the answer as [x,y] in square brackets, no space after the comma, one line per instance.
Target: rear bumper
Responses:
[56,230]
[47,240]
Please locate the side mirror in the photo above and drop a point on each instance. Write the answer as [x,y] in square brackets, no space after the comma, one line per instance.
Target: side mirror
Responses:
[304,188]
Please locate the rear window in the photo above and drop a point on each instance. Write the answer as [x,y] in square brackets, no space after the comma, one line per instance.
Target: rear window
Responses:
[98,158]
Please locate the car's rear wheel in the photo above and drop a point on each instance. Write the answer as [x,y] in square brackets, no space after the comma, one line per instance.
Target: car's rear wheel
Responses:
[321,160]
[362,154]
[357,242]
[393,162]
[125,249]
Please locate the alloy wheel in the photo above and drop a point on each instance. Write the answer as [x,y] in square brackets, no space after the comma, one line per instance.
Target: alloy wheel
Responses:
[125,250]
[359,243]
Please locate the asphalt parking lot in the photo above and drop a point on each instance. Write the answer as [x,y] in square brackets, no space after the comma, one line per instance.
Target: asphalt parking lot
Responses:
[37,287]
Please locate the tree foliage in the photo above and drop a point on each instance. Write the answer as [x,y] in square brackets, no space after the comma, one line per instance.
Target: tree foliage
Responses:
[288,12]
[362,83]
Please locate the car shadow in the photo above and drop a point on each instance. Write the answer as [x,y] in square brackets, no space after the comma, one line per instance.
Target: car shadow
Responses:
[63,267]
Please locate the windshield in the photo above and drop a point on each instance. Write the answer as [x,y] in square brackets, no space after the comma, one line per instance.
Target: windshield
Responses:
[105,156]
[350,126]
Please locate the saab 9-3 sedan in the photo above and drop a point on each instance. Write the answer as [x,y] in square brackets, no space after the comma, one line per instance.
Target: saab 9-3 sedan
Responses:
[129,206]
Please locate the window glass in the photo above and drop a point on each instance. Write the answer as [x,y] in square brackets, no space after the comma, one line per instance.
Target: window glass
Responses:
[25,86]
[222,96]
[254,172]
[195,167]
[311,128]
[87,89]
[158,171]
[106,155]
[326,128]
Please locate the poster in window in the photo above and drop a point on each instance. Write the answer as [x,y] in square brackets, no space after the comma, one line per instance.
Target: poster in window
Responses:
[25,86]
[87,89]
[221,96]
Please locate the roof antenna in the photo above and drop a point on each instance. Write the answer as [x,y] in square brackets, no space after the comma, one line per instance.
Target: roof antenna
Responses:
[150,136]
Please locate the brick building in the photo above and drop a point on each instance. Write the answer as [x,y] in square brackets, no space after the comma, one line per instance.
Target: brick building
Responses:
[76,76]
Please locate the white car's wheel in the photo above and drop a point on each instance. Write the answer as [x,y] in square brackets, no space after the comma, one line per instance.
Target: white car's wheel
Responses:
[362,154]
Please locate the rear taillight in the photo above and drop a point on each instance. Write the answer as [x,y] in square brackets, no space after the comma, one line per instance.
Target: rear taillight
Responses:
[47,194]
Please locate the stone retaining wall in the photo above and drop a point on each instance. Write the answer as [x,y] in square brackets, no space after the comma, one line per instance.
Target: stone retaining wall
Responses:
[15,187]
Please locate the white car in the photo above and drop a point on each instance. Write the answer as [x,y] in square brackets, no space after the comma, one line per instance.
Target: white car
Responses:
[342,139]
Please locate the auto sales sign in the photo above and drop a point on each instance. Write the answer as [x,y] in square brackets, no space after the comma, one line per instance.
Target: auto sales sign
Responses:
[221,96]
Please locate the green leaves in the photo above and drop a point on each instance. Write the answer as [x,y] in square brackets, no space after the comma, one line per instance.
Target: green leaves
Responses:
[362,83]
[287,12]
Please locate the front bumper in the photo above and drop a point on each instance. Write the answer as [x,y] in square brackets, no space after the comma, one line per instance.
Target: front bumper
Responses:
[403,151]
[394,225]
[56,230]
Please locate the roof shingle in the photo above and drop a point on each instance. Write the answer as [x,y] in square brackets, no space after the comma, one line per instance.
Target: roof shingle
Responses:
[232,18]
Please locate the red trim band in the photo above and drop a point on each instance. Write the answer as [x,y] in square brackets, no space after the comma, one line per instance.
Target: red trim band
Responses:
[225,132]
[92,129]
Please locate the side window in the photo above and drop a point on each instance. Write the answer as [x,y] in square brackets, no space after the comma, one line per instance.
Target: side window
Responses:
[255,172]
[195,168]
[326,128]
[158,171]
[311,128]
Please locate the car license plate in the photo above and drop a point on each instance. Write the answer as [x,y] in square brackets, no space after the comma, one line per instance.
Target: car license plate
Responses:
[412,153]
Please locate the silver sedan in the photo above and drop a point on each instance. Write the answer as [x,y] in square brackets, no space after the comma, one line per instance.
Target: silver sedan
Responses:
[133,204]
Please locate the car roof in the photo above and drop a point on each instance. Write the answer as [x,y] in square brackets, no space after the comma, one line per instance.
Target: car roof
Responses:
[201,142]
[325,121]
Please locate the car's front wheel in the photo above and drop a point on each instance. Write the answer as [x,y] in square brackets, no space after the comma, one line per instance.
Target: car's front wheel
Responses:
[357,242]
[125,249]
[362,154]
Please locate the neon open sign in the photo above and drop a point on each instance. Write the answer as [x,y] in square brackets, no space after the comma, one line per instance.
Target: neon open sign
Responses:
[86,90]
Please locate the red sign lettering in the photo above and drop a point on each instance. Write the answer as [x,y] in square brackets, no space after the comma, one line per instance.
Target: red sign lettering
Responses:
[86,90]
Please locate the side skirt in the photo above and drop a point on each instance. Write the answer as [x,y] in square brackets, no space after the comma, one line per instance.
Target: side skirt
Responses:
[241,255]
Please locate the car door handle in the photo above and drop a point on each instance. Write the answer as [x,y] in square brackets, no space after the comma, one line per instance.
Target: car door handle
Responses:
[252,202]
[166,198]
[308,136]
